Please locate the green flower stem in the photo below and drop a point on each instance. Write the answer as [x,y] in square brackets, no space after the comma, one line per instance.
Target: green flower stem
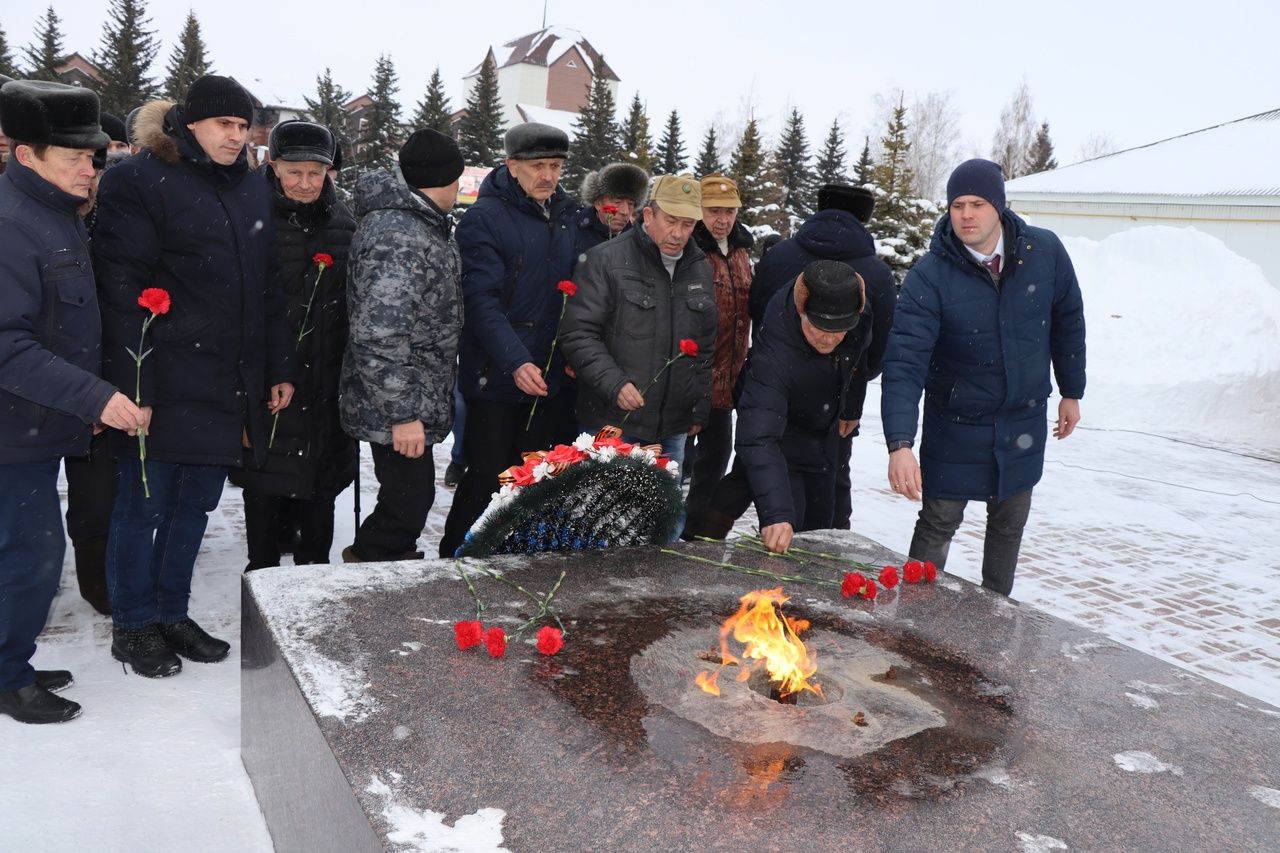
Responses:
[137,401]
[745,570]
[471,587]
[297,345]
[564,303]
[543,603]
[822,555]
[652,382]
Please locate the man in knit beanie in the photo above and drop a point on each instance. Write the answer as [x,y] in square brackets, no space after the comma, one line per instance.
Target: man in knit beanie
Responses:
[981,322]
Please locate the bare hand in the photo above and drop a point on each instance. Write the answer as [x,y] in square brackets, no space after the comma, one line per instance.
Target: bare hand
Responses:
[630,398]
[904,474]
[847,428]
[121,413]
[1068,417]
[777,537]
[570,372]
[280,396]
[694,430]
[529,380]
[409,440]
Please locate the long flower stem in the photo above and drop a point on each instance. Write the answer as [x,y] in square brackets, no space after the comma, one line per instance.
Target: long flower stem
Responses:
[137,401]
[564,303]
[471,587]
[653,382]
[822,555]
[297,345]
[745,570]
[542,602]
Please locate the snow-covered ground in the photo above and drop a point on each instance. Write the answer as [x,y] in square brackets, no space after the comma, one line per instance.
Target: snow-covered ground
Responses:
[1154,524]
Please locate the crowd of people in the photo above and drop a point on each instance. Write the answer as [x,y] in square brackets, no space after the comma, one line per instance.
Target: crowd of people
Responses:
[173,314]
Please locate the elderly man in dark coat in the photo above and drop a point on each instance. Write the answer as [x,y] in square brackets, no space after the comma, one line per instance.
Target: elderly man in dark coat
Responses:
[50,394]
[980,321]
[309,459]
[188,216]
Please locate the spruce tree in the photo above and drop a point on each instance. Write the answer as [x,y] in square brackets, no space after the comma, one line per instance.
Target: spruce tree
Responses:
[830,166]
[637,145]
[864,169]
[44,57]
[903,223]
[128,49]
[709,159]
[747,168]
[1040,157]
[669,157]
[793,174]
[8,67]
[188,62]
[327,109]
[381,136]
[480,131]
[434,110]
[596,136]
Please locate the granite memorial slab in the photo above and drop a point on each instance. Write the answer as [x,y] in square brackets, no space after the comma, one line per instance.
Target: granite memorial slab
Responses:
[949,717]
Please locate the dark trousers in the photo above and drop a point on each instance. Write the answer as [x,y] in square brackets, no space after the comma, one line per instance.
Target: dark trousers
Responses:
[459,424]
[406,490]
[91,494]
[493,440]
[264,516]
[812,499]
[707,466]
[31,550]
[152,547]
[1006,520]
[840,519]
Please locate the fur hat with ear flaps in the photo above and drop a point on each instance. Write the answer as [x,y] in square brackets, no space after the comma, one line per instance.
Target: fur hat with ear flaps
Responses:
[620,180]
[42,113]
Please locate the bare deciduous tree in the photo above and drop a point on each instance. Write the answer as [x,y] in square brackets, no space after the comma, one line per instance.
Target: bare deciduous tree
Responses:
[1099,144]
[1015,134]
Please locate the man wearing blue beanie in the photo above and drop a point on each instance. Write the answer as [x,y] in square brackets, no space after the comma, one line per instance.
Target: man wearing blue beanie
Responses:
[980,321]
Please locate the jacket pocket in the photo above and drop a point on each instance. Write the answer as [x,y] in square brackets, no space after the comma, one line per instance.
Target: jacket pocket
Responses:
[636,319]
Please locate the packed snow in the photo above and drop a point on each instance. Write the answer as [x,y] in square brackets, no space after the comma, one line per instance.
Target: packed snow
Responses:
[1172,479]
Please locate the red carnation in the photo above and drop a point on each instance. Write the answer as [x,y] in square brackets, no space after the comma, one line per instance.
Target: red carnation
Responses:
[568,288]
[468,633]
[324,259]
[852,584]
[495,641]
[930,571]
[550,640]
[912,571]
[689,347]
[155,300]
[610,209]
[869,591]
[888,577]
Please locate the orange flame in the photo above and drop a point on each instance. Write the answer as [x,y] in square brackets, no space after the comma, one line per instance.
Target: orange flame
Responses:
[770,642]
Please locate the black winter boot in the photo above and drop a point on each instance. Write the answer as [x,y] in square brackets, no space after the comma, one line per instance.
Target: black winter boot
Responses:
[34,704]
[54,680]
[144,650]
[193,642]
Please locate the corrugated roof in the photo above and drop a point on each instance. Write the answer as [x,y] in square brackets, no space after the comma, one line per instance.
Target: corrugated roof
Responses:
[1238,158]
[543,48]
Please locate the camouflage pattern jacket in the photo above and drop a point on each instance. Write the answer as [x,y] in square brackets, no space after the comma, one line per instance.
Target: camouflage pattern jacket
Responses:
[405,306]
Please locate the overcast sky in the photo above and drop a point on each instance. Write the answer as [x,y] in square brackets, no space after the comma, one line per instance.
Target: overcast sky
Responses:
[1133,71]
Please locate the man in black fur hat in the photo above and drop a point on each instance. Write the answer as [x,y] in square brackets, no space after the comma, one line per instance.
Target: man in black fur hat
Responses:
[610,199]
[50,393]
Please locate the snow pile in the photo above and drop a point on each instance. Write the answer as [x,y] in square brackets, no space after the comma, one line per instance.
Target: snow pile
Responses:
[1178,327]
[426,832]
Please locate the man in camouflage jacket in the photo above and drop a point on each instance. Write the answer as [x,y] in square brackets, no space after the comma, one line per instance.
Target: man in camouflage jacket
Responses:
[405,306]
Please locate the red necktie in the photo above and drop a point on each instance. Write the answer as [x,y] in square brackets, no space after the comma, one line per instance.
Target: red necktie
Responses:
[993,265]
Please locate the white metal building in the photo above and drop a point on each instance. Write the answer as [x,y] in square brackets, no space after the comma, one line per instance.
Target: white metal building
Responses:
[1222,180]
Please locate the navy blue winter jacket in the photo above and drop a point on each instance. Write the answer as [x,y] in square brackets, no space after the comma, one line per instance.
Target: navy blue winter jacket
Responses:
[50,392]
[792,399]
[169,217]
[513,256]
[980,350]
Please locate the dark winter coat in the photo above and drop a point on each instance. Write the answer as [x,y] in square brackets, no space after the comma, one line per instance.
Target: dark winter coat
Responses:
[50,329]
[172,218]
[625,323]
[732,277]
[310,455]
[514,253]
[793,398]
[406,312]
[833,235]
[980,349]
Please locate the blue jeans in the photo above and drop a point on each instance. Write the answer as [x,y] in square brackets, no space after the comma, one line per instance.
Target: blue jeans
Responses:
[153,542]
[673,449]
[31,548]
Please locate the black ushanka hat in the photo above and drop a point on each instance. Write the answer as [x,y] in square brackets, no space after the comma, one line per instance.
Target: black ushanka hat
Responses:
[534,141]
[302,140]
[42,113]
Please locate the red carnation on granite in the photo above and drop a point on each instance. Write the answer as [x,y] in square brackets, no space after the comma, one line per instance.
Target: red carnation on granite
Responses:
[930,571]
[852,584]
[912,571]
[689,347]
[495,640]
[869,591]
[468,633]
[888,577]
[550,640]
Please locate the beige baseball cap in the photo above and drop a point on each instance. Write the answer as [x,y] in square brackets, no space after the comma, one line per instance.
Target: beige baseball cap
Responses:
[719,191]
[678,195]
